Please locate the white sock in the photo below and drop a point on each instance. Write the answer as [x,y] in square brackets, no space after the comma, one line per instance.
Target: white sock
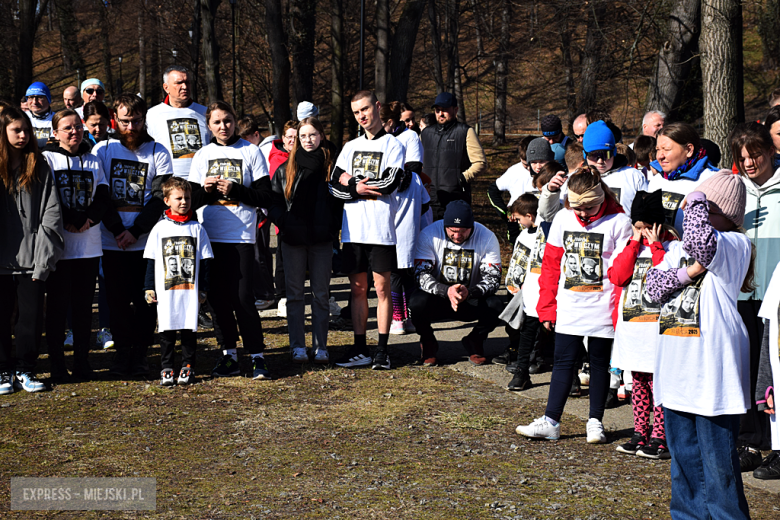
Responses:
[231,352]
[255,356]
[551,421]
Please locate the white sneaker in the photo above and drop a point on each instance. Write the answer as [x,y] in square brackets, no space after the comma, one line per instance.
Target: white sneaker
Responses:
[409,326]
[300,355]
[262,305]
[68,338]
[541,428]
[397,327]
[335,310]
[321,356]
[105,338]
[281,309]
[166,377]
[595,432]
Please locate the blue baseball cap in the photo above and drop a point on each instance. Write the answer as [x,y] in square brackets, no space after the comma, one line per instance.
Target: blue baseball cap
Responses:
[598,136]
[445,100]
[38,89]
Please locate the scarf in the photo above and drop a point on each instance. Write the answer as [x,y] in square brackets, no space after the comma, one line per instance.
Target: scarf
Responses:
[180,219]
[313,161]
[690,170]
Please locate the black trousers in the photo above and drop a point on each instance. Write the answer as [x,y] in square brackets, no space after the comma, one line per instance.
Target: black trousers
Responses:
[754,426]
[232,297]
[281,290]
[264,262]
[428,308]
[402,281]
[132,319]
[29,325]
[72,286]
[445,197]
[189,341]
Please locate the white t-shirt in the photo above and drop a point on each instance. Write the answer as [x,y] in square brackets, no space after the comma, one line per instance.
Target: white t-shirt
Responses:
[77,179]
[584,302]
[459,263]
[525,267]
[703,361]
[177,250]
[625,182]
[229,220]
[370,221]
[41,127]
[673,194]
[130,175]
[636,332]
[516,180]
[265,149]
[770,310]
[407,220]
[412,146]
[182,131]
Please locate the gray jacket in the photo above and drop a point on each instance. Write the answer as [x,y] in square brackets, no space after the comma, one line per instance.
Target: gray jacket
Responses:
[31,236]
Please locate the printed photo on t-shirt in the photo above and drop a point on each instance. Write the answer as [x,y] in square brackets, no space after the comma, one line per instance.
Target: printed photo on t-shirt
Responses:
[41,132]
[637,305]
[231,169]
[518,264]
[680,315]
[617,192]
[671,202]
[582,265]
[366,164]
[179,262]
[457,266]
[185,137]
[541,243]
[75,188]
[128,182]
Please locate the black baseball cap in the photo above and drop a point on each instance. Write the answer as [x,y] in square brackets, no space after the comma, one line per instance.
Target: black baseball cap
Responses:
[445,100]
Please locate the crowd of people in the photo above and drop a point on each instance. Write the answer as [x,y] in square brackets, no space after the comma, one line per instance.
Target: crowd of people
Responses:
[645,269]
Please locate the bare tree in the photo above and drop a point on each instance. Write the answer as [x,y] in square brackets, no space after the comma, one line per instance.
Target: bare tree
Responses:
[69,37]
[105,41]
[564,14]
[280,85]
[211,49]
[30,14]
[402,50]
[454,83]
[436,47]
[768,18]
[382,52]
[141,55]
[502,72]
[301,37]
[337,74]
[591,57]
[195,50]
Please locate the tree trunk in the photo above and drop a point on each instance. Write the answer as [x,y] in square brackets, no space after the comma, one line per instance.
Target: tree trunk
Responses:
[502,70]
[157,64]
[402,49]
[239,77]
[436,47]
[301,37]
[336,74]
[141,55]
[477,12]
[195,49]
[28,25]
[719,71]
[591,57]
[453,69]
[564,31]
[69,37]
[768,17]
[280,85]
[381,55]
[675,57]
[208,12]
[105,41]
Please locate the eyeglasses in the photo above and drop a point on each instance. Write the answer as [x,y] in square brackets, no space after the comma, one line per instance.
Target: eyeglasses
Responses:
[595,155]
[69,129]
[36,98]
[308,137]
[91,91]
[127,122]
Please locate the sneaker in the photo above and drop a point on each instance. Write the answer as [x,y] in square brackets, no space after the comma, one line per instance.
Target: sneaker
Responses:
[612,399]
[321,356]
[575,390]
[226,367]
[595,431]
[749,458]
[504,358]
[397,327]
[281,309]
[537,367]
[622,393]
[585,375]
[105,339]
[6,383]
[475,349]
[354,358]
[262,305]
[300,355]
[381,360]
[186,375]
[204,321]
[28,382]
[631,447]
[540,429]
[656,450]
[334,308]
[68,338]
[519,383]
[409,326]
[340,324]
[769,468]
[260,368]
[166,377]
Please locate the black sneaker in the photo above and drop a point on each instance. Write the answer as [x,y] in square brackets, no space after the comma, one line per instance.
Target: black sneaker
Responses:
[537,367]
[637,441]
[656,450]
[226,367]
[355,357]
[204,321]
[769,468]
[505,357]
[519,383]
[576,389]
[340,324]
[381,360]
[6,383]
[612,399]
[749,458]
[260,368]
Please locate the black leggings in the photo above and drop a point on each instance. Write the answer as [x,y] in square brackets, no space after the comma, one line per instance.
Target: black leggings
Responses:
[29,325]
[189,342]
[232,295]
[566,349]
[132,319]
[428,308]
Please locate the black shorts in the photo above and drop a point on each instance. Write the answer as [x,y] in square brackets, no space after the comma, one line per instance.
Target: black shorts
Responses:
[356,258]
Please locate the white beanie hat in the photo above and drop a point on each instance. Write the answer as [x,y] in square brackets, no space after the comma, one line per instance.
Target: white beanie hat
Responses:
[307,109]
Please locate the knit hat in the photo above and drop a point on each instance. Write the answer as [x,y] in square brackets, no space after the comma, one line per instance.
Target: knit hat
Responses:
[598,136]
[307,109]
[727,195]
[551,125]
[38,89]
[648,208]
[458,214]
[92,81]
[539,150]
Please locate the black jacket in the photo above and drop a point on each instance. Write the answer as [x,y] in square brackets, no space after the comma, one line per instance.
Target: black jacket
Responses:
[445,159]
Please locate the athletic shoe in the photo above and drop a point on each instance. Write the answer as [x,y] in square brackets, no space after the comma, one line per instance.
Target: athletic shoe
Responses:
[612,399]
[281,309]
[409,326]
[334,308]
[656,450]
[381,360]
[519,382]
[226,367]
[541,428]
[631,447]
[68,338]
[622,393]
[585,375]
[595,431]
[575,390]
[749,458]
[166,377]
[397,327]
[105,339]
[204,321]
[300,355]
[475,349]
[354,357]
[340,324]
[6,383]
[186,375]
[262,305]
[28,382]
[769,468]
[260,368]
[321,356]
[537,367]
[504,358]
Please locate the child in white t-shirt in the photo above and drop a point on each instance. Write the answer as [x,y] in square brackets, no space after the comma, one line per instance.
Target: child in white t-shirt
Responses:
[177,249]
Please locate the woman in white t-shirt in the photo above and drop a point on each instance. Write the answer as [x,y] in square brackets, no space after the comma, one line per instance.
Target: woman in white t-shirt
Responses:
[233,178]
[576,296]
[83,192]
[702,368]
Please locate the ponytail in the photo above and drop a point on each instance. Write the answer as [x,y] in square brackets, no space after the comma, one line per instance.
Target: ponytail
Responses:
[586,178]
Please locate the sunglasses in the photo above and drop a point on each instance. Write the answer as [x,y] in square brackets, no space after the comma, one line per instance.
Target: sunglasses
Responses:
[604,155]
[91,91]
[579,136]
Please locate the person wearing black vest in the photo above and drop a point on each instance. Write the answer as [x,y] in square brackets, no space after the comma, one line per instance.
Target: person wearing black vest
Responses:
[452,155]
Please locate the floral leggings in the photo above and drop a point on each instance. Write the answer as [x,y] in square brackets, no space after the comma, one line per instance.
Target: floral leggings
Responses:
[642,403]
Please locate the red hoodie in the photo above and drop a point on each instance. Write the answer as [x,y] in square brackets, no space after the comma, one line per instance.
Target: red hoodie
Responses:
[277,156]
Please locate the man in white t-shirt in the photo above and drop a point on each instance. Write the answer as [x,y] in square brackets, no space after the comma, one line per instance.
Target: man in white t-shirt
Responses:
[368,171]
[40,113]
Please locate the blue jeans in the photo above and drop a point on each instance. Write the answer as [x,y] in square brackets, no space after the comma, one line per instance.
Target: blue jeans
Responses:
[706,479]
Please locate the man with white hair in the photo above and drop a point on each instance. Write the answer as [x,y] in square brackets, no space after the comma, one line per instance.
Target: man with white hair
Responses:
[653,122]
